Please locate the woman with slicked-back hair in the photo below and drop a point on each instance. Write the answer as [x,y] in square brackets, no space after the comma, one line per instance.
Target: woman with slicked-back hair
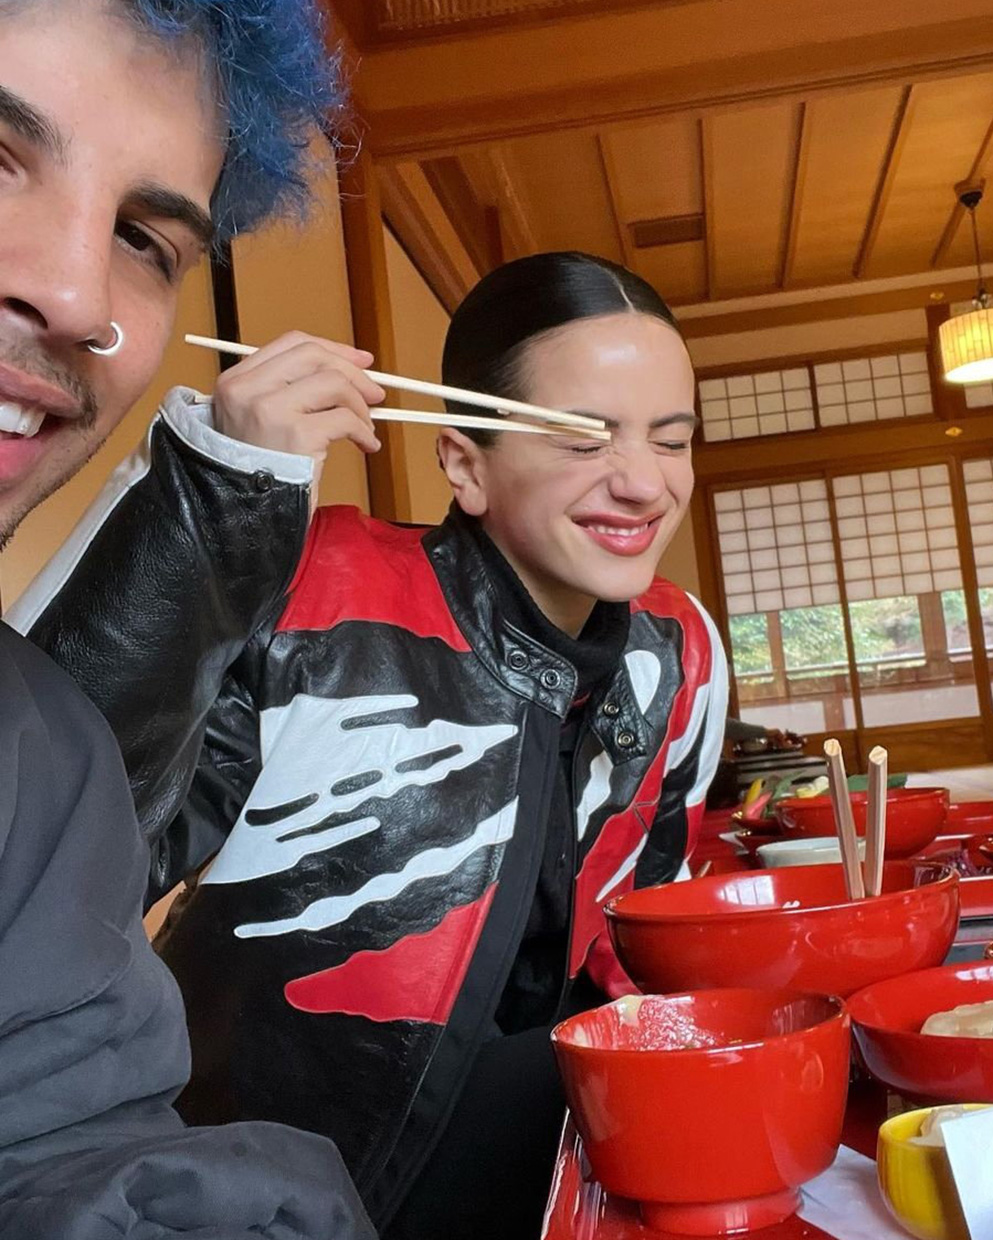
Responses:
[401,798]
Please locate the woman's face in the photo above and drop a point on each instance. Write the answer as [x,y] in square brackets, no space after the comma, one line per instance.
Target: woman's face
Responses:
[578,519]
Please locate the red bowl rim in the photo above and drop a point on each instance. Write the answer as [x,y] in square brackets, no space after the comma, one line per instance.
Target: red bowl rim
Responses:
[896,794]
[984,968]
[840,1013]
[947,876]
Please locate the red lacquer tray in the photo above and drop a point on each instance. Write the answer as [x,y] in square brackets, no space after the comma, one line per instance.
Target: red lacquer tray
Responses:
[579,1209]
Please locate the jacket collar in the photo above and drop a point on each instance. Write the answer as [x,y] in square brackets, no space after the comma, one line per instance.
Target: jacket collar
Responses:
[519,661]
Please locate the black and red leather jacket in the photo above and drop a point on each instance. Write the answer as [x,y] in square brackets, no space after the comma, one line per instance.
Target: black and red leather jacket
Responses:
[364,747]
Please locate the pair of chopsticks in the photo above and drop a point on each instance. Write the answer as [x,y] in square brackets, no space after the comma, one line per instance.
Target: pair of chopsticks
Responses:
[544,421]
[870,882]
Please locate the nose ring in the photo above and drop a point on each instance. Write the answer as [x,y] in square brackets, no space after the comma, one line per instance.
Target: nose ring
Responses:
[114,346]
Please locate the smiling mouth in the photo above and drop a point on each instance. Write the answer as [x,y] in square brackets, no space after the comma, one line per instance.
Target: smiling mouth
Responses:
[20,421]
[627,539]
[619,531]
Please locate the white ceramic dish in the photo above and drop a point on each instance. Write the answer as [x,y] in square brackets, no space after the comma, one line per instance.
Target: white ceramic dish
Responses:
[819,851]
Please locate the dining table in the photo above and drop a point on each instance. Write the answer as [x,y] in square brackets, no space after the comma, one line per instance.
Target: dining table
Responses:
[579,1208]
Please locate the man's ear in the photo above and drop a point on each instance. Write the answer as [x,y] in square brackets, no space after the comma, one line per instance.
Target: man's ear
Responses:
[464,463]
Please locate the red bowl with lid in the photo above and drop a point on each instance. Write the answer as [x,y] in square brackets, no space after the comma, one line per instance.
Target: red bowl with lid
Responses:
[914,816]
[709,1109]
[887,1020]
[791,927]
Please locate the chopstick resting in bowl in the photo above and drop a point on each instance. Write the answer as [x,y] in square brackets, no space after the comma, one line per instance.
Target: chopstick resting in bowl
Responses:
[875,828]
[844,822]
[545,421]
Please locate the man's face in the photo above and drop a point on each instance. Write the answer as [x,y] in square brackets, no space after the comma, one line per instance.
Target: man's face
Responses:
[578,520]
[109,151]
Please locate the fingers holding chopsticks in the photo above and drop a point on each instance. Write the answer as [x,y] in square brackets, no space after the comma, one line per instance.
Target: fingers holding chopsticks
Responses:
[299,394]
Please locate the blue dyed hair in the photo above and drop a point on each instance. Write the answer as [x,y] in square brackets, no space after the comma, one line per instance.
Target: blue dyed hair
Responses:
[277,80]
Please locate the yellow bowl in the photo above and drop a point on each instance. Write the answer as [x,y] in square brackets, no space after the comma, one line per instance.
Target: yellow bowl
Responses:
[916,1180]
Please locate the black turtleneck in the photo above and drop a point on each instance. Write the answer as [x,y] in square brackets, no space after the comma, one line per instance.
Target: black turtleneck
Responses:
[535,989]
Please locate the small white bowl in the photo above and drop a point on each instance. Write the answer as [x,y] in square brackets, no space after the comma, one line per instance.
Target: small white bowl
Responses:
[823,850]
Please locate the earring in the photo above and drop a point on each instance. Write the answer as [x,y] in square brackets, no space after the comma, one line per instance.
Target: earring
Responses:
[114,346]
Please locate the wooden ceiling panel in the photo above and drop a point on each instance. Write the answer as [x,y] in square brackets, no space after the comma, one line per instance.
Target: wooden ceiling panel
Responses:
[655,169]
[845,140]
[749,161]
[562,177]
[677,272]
[945,127]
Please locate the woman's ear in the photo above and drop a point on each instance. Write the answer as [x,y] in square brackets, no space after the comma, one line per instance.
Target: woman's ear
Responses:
[464,463]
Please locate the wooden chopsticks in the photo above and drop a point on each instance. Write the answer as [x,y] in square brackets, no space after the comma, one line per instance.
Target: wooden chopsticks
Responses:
[843,820]
[555,420]
[875,830]
[871,884]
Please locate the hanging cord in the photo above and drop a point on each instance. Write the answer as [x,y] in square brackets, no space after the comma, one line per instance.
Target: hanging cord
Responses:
[971,201]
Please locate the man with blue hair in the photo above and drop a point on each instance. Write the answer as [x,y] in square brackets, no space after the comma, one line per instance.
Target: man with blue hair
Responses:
[133,134]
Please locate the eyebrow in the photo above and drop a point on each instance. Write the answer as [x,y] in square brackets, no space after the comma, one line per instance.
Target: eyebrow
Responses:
[169,204]
[32,125]
[154,199]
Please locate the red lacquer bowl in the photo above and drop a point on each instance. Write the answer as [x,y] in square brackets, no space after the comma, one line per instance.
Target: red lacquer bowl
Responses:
[716,1138]
[969,818]
[914,816]
[887,1019]
[788,927]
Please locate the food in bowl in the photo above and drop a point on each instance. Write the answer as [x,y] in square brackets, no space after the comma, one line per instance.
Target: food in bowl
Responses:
[915,1179]
[710,1108]
[931,1130]
[793,926]
[914,817]
[968,1020]
[888,1019]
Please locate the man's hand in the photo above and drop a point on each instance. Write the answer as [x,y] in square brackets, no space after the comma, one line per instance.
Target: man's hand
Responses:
[299,394]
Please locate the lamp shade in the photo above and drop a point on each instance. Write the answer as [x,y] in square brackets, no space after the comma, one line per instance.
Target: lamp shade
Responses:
[967,346]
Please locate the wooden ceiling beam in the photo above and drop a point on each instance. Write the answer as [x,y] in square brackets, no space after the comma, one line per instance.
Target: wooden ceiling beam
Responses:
[414,221]
[957,213]
[820,309]
[795,197]
[428,100]
[454,191]
[887,175]
[514,211]
[624,241]
[707,195]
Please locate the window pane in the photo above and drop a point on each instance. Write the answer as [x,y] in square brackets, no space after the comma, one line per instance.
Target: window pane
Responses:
[750,645]
[791,670]
[886,632]
[813,642]
[907,671]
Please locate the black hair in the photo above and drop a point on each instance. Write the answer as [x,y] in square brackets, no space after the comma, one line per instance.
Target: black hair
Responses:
[522,300]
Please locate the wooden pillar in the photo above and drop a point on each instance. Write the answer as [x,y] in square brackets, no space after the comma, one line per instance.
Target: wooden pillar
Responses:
[365,253]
